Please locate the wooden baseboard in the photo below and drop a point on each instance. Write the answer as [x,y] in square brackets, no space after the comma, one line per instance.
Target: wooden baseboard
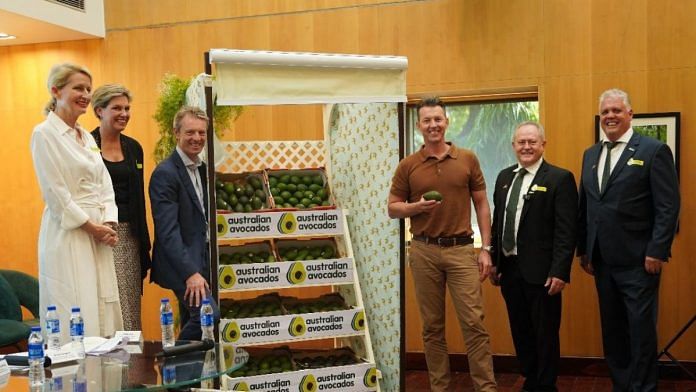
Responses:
[569,366]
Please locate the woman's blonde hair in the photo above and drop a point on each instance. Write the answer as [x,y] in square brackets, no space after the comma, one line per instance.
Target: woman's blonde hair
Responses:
[58,78]
[104,94]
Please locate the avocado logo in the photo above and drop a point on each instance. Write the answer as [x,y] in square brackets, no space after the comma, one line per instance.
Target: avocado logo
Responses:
[240,386]
[297,326]
[230,333]
[227,277]
[358,322]
[222,226]
[308,383]
[228,355]
[370,378]
[287,223]
[297,273]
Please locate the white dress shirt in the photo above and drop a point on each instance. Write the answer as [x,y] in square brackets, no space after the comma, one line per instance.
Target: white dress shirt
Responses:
[615,153]
[524,189]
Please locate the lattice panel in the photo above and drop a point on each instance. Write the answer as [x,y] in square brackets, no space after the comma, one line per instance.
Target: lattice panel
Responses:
[250,156]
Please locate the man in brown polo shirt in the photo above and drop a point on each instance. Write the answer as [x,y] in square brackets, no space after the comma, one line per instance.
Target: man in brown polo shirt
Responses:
[442,253]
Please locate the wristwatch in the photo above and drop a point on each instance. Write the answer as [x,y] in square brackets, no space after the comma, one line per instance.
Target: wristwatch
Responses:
[487,248]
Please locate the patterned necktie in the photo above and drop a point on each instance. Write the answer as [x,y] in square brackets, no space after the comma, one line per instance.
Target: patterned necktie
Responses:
[511,211]
[197,185]
[607,166]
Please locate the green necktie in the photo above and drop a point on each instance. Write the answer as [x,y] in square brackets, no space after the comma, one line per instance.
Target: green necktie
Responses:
[607,166]
[511,212]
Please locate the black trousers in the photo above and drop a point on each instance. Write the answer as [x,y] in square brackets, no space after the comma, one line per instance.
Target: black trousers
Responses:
[628,299]
[535,318]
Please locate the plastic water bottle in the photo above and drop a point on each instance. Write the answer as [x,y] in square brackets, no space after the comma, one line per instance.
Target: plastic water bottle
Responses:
[167,323]
[168,373]
[52,328]
[207,321]
[56,384]
[77,332]
[79,381]
[36,358]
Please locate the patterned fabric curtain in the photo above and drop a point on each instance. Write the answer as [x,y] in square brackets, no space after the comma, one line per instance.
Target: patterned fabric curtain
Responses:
[364,151]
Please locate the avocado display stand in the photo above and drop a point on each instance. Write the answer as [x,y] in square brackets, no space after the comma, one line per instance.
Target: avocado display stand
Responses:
[270,319]
[327,225]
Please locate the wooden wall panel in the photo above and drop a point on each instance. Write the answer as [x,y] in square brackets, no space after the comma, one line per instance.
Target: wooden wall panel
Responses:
[570,50]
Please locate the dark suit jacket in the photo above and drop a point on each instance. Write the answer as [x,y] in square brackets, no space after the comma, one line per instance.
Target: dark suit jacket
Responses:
[636,216]
[547,231]
[180,247]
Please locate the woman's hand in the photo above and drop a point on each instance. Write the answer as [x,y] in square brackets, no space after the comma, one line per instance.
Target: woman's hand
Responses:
[102,233]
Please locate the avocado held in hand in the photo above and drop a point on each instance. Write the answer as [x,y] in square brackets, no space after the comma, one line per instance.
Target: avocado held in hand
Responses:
[432,195]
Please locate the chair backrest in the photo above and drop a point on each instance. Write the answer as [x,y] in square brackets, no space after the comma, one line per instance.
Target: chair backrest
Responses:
[9,303]
[26,290]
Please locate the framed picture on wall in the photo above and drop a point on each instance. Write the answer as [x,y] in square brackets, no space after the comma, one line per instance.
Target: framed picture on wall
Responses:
[661,126]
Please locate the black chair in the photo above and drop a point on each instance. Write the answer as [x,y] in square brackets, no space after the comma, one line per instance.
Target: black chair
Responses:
[17,289]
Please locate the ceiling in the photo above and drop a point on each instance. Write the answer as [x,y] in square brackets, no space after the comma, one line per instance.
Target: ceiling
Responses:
[30,31]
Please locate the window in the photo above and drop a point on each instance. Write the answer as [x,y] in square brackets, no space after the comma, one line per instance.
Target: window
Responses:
[483,127]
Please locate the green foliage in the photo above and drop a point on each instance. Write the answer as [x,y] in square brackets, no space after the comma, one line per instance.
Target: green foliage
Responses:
[172,98]
[658,132]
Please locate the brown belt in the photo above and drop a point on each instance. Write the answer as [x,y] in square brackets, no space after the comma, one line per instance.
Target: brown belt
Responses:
[444,241]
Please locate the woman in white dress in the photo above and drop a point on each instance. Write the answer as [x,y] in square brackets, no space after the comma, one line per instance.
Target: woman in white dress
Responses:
[76,266]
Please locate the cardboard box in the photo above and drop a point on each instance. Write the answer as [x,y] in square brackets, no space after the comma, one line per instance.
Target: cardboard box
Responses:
[242,264]
[235,185]
[302,185]
[343,370]
[350,378]
[282,246]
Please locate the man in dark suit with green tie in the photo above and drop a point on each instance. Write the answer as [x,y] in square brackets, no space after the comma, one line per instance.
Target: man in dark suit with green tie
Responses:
[629,205]
[533,239]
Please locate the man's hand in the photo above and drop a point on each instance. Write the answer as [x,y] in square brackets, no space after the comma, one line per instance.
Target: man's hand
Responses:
[586,264]
[484,264]
[652,265]
[555,285]
[196,289]
[423,206]
[494,276]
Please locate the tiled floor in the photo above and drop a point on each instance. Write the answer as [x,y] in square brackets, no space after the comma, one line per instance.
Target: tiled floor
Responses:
[417,381]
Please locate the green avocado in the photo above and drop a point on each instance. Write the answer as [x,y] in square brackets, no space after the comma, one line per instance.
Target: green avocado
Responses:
[432,195]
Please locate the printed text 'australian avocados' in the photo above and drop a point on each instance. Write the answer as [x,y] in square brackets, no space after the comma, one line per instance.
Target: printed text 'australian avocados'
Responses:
[432,195]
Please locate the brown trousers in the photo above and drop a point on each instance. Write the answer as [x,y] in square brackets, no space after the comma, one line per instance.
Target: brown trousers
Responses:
[434,269]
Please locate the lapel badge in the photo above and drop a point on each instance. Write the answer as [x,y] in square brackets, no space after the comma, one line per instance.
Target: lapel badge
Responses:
[634,162]
[537,188]
[631,149]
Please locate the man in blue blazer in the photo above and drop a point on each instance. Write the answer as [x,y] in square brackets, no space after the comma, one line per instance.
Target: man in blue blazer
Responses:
[628,210]
[533,240]
[178,194]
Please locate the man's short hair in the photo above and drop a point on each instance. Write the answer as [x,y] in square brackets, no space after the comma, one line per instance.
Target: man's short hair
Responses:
[193,111]
[430,102]
[615,93]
